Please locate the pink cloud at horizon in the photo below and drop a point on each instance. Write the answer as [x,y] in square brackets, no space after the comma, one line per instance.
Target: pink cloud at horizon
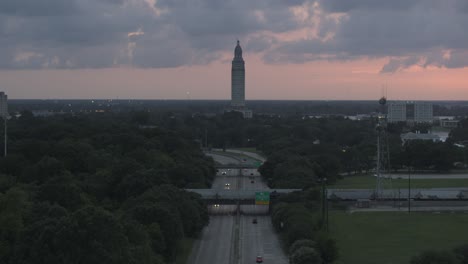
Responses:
[356,80]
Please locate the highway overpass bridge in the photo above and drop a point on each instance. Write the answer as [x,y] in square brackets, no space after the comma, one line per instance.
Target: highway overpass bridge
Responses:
[213,196]
[236,166]
[399,194]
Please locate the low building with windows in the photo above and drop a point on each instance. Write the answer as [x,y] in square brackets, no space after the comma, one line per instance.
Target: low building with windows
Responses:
[410,112]
[418,136]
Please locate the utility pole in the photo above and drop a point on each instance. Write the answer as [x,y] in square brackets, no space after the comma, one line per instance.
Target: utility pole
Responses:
[206,139]
[4,115]
[399,201]
[324,204]
[6,136]
[409,189]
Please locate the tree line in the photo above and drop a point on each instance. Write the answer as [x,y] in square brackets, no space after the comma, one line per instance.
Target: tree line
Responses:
[99,188]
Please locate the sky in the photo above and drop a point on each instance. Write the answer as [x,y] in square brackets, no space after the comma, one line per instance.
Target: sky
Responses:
[182,49]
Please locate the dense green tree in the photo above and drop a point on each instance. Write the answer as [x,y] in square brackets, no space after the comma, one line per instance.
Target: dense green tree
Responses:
[12,207]
[461,252]
[140,117]
[92,235]
[305,255]
[327,248]
[62,190]
[62,171]
[301,243]
[434,257]
[142,243]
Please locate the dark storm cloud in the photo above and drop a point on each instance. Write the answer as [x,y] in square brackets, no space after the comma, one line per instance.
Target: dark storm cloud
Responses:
[98,33]
[37,8]
[107,33]
[409,32]
[348,5]
[259,43]
[212,17]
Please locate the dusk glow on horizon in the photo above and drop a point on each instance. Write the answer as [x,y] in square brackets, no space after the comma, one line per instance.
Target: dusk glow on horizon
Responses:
[293,50]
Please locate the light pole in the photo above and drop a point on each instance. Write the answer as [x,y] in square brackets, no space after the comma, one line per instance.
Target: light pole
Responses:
[6,137]
[206,139]
[324,204]
[409,189]
[409,173]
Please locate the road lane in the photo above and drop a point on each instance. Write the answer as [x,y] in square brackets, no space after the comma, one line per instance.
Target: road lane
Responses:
[223,159]
[253,155]
[260,240]
[216,242]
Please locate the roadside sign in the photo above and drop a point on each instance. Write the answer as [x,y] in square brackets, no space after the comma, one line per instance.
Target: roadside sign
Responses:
[262,198]
[258,163]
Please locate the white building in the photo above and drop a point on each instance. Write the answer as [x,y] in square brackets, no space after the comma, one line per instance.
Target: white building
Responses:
[410,112]
[449,123]
[3,105]
[396,112]
[417,136]
[422,112]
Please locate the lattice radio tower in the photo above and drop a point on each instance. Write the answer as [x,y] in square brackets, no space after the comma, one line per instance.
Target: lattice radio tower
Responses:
[383,154]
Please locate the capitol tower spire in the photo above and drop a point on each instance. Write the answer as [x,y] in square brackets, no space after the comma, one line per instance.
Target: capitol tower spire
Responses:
[238,79]
[238,84]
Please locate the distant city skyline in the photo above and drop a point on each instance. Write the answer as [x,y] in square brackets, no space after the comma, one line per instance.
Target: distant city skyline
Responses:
[297,50]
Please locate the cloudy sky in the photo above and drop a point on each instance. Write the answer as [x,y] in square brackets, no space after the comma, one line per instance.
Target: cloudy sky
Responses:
[175,49]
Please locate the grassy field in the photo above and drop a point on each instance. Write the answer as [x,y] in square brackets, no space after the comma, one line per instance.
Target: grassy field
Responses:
[394,237]
[367,182]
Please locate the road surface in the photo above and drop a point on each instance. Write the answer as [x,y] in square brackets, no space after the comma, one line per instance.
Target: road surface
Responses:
[427,176]
[222,159]
[231,240]
[245,153]
[215,245]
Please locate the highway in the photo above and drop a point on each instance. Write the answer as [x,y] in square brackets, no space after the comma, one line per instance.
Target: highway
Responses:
[231,240]
[223,159]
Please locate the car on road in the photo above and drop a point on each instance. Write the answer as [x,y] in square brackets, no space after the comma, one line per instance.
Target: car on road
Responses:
[215,205]
[252,181]
[223,173]
[259,259]
[254,221]
[227,186]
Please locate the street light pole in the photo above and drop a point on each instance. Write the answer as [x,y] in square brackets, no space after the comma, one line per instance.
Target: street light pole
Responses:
[409,189]
[206,138]
[324,204]
[409,175]
[6,136]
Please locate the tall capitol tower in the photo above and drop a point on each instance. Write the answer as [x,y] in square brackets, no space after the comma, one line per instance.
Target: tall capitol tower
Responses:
[238,79]
[238,83]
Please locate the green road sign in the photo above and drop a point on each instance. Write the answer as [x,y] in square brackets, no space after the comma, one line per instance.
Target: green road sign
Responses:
[262,198]
[258,163]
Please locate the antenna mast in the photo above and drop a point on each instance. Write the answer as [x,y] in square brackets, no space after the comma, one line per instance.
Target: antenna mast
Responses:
[383,156]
